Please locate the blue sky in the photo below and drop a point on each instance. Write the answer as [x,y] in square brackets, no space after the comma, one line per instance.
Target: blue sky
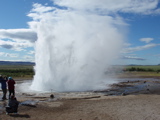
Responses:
[142,29]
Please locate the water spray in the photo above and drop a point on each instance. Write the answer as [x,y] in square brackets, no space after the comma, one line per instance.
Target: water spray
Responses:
[74,49]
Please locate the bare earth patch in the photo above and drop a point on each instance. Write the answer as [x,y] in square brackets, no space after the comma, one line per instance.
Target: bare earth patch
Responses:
[142,105]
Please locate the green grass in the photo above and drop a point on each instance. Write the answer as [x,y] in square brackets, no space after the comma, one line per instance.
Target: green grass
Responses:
[147,68]
[27,71]
[141,71]
[145,73]
[154,67]
[17,71]
[16,67]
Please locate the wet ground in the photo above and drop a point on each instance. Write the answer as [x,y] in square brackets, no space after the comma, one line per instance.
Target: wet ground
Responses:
[125,86]
[134,86]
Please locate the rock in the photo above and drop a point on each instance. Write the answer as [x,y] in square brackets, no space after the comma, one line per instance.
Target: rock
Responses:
[123,94]
[52,96]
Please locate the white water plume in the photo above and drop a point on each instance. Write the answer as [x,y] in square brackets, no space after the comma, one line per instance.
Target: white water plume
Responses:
[75,48]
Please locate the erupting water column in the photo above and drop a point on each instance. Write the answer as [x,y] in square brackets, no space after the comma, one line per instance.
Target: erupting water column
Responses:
[74,49]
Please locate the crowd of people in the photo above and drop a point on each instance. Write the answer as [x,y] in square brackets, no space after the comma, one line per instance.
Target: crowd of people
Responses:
[8,84]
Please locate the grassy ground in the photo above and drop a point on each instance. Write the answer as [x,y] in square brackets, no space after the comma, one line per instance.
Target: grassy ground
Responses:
[144,67]
[13,67]
[139,75]
[27,71]
[17,71]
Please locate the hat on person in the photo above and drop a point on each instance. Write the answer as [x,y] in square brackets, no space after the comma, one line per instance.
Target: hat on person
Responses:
[10,78]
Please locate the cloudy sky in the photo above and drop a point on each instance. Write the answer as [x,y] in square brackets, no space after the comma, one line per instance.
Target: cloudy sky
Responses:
[140,20]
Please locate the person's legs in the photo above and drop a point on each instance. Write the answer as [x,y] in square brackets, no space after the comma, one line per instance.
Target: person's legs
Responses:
[4,94]
[10,91]
[13,92]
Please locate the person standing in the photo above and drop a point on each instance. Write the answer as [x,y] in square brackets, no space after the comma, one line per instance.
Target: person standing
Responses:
[11,87]
[4,87]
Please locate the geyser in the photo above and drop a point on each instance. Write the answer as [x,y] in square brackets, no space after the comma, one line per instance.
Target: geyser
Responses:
[74,48]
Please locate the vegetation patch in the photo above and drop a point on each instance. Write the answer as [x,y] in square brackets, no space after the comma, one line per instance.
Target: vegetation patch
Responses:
[147,68]
[17,71]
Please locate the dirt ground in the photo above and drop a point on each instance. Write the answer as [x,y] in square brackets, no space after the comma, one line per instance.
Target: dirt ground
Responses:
[139,106]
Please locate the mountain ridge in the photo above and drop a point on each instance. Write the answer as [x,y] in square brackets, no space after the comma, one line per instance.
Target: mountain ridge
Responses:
[16,63]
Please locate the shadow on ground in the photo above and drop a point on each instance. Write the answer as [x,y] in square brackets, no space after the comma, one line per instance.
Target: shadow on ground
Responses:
[20,115]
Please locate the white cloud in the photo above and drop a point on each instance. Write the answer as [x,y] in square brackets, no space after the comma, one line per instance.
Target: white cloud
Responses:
[146,40]
[2,53]
[133,57]
[11,55]
[39,11]
[28,58]
[31,52]
[139,48]
[18,34]
[107,6]
[15,45]
[40,8]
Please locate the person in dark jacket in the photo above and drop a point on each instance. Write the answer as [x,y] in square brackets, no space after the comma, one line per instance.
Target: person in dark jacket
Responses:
[12,105]
[11,87]
[4,87]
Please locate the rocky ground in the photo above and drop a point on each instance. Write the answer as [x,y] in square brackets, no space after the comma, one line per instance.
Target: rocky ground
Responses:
[136,99]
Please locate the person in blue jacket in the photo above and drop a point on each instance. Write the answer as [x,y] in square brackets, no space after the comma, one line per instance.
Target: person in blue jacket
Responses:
[3,86]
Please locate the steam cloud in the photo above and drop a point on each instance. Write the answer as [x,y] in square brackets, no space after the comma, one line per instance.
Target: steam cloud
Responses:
[74,48]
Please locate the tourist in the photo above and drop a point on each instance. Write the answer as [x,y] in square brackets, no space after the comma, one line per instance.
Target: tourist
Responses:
[12,105]
[4,87]
[11,87]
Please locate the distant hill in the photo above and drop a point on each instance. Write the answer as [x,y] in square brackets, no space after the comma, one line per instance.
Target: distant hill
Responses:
[16,63]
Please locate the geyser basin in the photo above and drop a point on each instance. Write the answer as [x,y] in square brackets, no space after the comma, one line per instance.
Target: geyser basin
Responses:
[124,87]
[74,48]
